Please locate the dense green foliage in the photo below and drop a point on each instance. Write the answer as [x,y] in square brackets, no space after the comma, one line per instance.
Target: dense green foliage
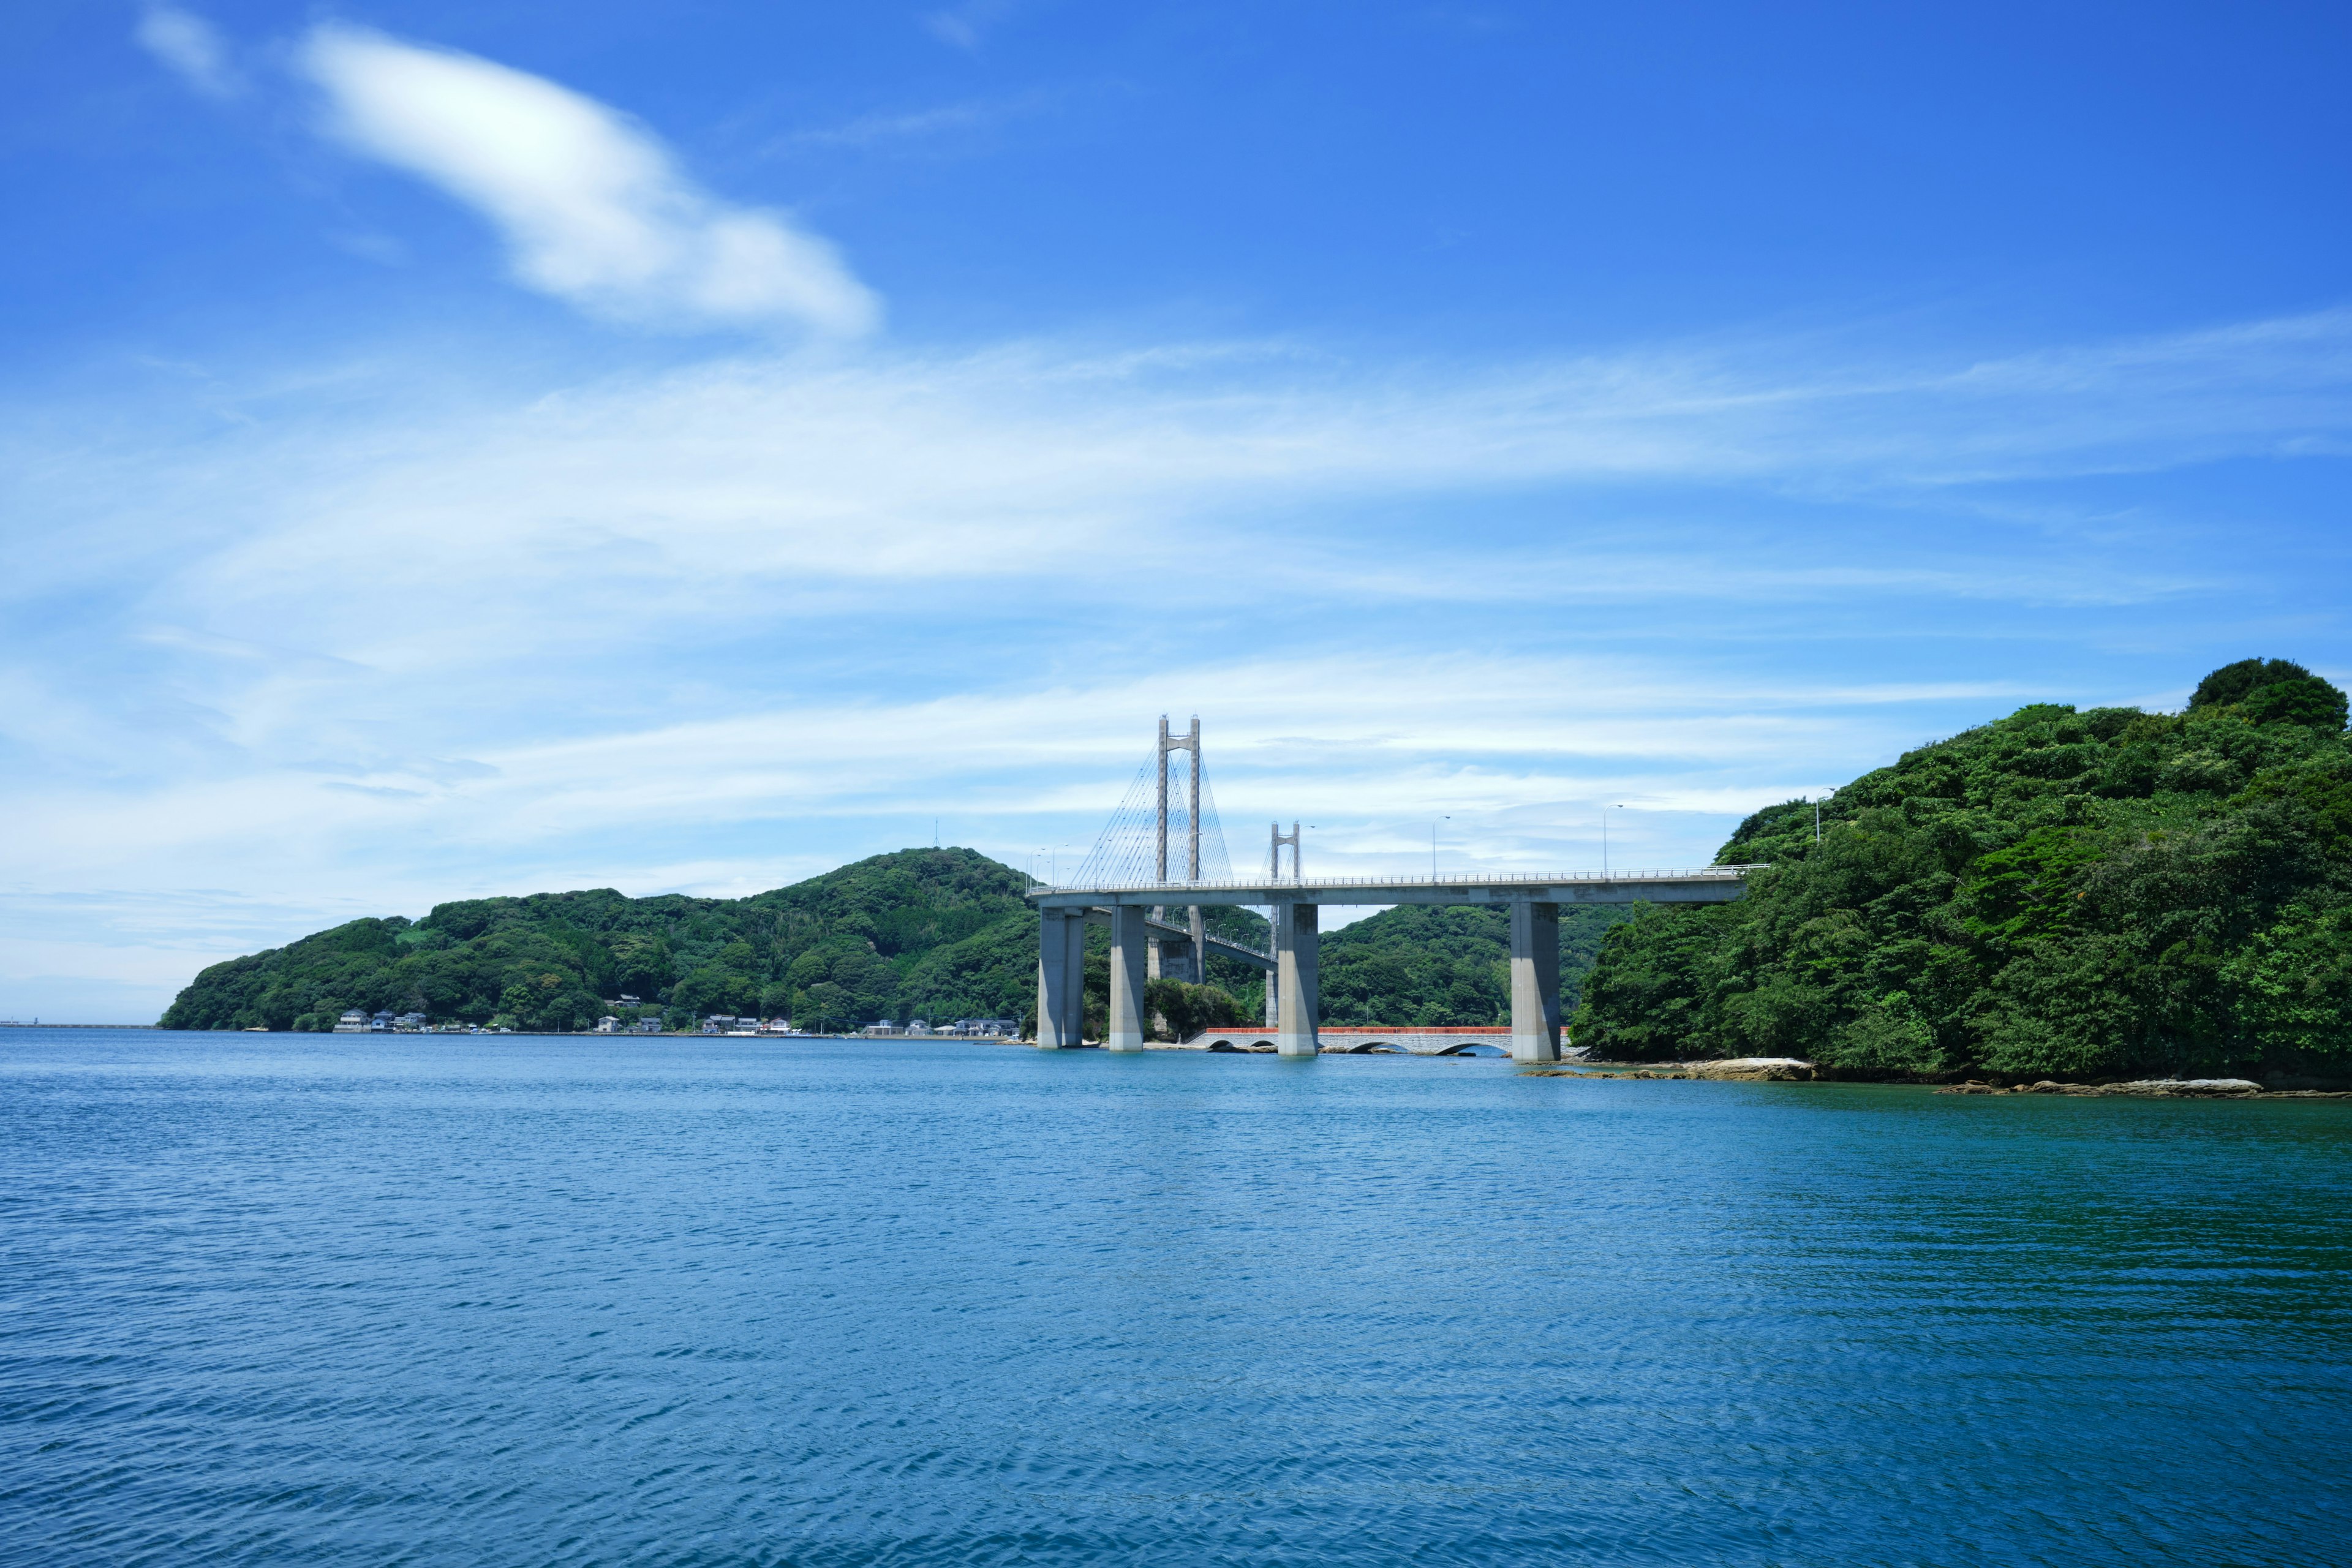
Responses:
[1179,1009]
[2062,894]
[930,933]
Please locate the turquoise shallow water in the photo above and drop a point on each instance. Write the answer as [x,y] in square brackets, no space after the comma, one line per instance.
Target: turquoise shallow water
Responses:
[308,1300]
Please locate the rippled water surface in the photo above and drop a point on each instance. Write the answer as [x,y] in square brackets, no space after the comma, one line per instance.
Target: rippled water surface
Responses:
[308,1299]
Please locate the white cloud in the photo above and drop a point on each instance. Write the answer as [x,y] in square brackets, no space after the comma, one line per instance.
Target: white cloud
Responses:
[191,47]
[594,208]
[511,523]
[534,518]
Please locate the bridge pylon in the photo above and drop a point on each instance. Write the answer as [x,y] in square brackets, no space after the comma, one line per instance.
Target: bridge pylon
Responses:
[1535,981]
[1298,941]
[1190,964]
[1274,851]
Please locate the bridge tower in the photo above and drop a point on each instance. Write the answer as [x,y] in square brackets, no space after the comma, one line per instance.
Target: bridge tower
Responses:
[1274,854]
[1188,743]
[1191,966]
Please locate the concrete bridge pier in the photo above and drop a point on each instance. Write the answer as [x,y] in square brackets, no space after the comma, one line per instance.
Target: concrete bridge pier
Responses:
[1535,981]
[1295,945]
[1061,979]
[1128,959]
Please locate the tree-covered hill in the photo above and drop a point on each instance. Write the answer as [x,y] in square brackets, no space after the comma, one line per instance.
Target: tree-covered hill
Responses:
[929,934]
[2058,894]
[932,933]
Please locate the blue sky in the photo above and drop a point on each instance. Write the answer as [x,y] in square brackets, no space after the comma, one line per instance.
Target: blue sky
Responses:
[487,449]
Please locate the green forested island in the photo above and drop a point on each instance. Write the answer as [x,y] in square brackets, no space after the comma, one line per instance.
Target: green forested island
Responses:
[2071,895]
[928,933]
[937,933]
[2101,893]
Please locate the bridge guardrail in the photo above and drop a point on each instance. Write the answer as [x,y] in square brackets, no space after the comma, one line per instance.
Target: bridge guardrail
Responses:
[1499,880]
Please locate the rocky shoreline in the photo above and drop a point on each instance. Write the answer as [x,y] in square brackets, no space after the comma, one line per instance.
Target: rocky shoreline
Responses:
[2157,1088]
[1793,1069]
[1737,1070]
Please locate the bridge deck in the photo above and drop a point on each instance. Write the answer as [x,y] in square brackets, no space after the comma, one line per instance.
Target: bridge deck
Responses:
[1704,885]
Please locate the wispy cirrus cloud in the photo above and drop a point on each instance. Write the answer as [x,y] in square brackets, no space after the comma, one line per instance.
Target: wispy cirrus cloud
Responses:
[907,467]
[594,208]
[946,122]
[525,519]
[192,47]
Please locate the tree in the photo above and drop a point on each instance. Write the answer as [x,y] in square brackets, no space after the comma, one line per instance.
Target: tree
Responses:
[2270,691]
[2236,682]
[1187,1008]
[825,1008]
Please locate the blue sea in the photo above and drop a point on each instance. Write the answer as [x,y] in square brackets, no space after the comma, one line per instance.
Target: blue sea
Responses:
[522,1300]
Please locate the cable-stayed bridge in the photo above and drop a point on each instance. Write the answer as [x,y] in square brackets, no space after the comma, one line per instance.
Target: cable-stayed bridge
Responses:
[1126,883]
